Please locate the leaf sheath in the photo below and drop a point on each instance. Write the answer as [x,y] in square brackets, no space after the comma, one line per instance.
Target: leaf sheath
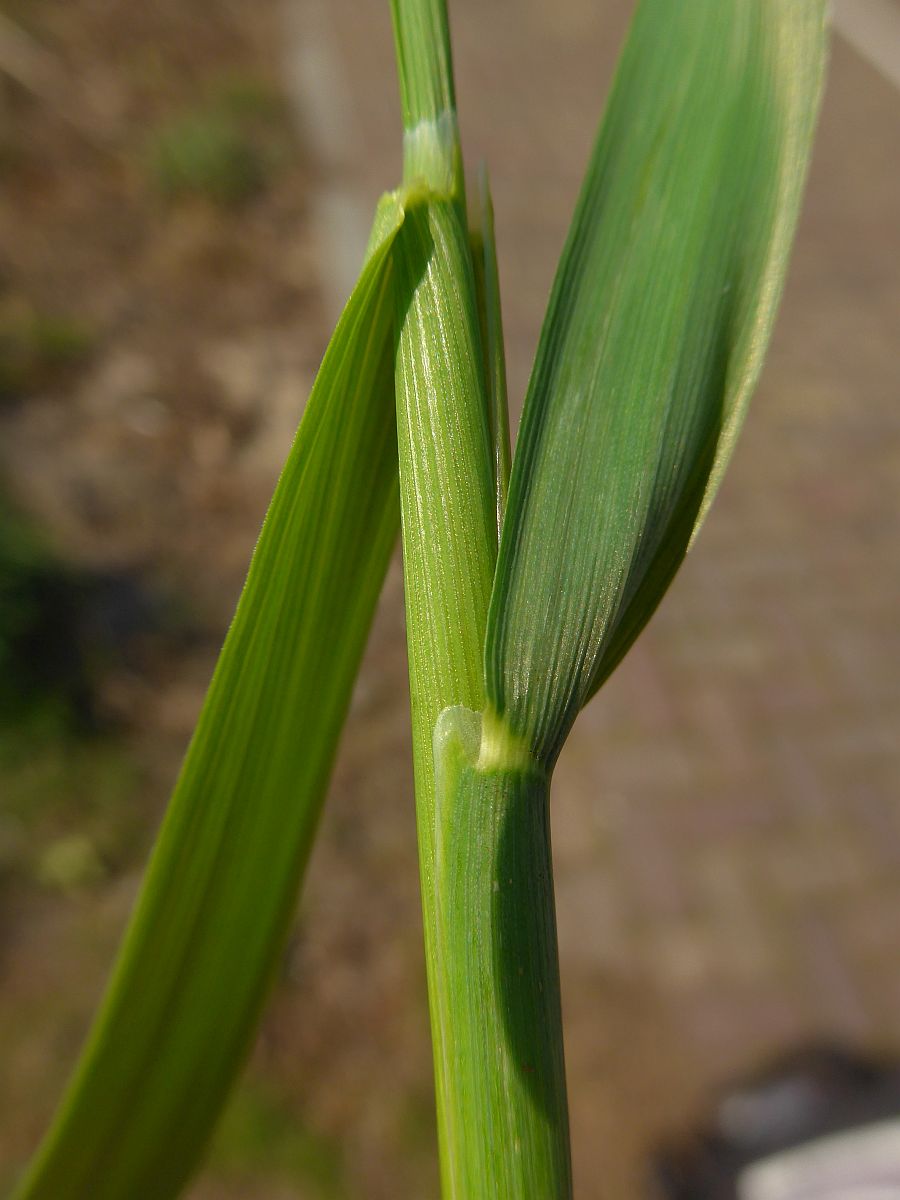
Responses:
[504,1126]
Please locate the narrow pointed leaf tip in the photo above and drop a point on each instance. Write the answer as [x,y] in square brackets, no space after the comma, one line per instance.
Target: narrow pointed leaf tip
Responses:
[658,321]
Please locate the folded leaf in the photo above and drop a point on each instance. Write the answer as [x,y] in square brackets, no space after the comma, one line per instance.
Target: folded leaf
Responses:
[658,321]
[216,904]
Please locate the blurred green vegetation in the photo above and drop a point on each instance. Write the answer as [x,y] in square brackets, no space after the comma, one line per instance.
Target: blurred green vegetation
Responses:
[225,148]
[69,818]
[68,784]
[33,670]
[37,347]
[205,154]
[259,1137]
[47,642]
[247,97]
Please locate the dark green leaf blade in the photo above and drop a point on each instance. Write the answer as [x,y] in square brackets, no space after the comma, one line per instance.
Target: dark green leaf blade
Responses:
[209,924]
[658,321]
[487,291]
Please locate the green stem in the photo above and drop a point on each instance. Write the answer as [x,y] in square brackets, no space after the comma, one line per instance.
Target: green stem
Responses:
[431,149]
[446,491]
[503,1118]
[495,1012]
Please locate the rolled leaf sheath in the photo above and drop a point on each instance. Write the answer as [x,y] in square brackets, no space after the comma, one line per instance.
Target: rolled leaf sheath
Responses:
[503,1124]
[446,487]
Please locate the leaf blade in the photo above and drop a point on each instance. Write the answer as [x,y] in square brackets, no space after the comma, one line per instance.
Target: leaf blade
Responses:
[654,336]
[204,938]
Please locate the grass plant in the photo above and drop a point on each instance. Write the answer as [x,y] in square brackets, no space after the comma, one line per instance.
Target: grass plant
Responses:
[525,586]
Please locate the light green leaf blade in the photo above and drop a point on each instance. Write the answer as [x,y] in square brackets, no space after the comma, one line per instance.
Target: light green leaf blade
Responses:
[208,927]
[655,333]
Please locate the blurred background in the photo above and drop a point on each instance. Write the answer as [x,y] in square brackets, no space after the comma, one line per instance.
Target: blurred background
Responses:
[184,197]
